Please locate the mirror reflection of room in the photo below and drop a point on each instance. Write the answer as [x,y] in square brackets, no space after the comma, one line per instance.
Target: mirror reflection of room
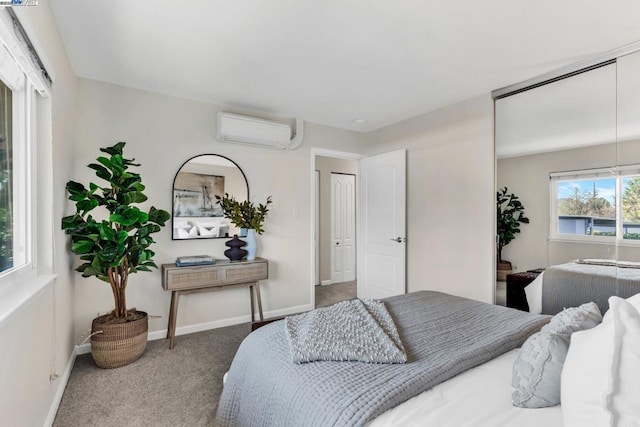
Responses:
[570,150]
[196,213]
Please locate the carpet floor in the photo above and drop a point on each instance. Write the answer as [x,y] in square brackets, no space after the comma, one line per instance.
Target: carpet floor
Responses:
[179,387]
[331,294]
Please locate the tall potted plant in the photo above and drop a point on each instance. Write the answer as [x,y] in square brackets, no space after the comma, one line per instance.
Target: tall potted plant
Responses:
[510,214]
[246,215]
[113,248]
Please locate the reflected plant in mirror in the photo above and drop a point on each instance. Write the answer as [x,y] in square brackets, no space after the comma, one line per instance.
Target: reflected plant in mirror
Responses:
[200,180]
[510,214]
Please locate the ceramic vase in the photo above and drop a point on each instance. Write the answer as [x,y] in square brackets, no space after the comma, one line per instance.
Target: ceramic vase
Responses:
[252,244]
[235,251]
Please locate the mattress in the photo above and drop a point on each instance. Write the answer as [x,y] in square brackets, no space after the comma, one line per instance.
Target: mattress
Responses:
[479,397]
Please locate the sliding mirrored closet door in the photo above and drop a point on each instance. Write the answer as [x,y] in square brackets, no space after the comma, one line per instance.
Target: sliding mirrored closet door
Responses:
[628,162]
[556,151]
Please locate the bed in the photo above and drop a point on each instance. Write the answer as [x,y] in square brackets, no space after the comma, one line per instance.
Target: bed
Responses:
[453,344]
[580,281]
[479,397]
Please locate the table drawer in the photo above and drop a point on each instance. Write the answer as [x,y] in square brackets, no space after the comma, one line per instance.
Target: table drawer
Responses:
[225,273]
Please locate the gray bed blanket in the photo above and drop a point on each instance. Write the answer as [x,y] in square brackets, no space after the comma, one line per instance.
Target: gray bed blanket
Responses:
[356,330]
[443,336]
[576,283]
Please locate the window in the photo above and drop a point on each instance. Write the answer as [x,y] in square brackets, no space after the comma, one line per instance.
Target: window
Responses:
[596,205]
[16,117]
[630,207]
[6,180]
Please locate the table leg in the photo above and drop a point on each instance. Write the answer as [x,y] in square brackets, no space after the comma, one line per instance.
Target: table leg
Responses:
[252,307]
[257,284]
[173,296]
[173,314]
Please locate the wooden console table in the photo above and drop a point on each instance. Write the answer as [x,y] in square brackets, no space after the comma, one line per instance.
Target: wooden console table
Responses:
[221,275]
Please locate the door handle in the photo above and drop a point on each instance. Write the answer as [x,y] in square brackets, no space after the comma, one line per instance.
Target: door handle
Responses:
[400,239]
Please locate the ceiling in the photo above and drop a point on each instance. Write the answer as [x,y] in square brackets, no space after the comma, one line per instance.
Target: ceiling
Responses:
[352,64]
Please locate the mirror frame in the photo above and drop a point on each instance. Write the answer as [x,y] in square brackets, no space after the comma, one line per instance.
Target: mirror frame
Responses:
[173,217]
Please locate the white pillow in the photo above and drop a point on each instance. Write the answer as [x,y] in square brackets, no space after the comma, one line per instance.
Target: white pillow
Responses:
[207,224]
[182,233]
[635,301]
[193,232]
[206,232]
[533,291]
[600,385]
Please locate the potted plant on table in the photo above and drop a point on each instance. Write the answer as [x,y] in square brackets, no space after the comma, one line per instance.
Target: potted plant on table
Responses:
[113,248]
[246,215]
[510,214]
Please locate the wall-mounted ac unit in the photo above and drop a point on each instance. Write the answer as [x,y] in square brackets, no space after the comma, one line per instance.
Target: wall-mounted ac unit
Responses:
[235,128]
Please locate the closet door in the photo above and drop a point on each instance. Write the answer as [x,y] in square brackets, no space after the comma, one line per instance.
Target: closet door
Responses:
[343,222]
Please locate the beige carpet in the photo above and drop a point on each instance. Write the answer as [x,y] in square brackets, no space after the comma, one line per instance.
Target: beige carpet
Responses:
[179,387]
[331,294]
[501,293]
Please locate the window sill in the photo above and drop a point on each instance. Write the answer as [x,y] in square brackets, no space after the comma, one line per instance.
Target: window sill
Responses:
[605,241]
[16,294]
[609,242]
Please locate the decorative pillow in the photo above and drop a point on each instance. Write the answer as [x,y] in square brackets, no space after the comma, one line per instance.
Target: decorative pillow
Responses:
[537,370]
[600,378]
[574,319]
[208,232]
[207,224]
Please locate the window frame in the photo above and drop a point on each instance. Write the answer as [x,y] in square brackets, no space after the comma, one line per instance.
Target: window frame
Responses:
[23,153]
[618,173]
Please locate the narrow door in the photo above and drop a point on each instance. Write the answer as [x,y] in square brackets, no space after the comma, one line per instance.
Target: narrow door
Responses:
[316,234]
[382,225]
[343,222]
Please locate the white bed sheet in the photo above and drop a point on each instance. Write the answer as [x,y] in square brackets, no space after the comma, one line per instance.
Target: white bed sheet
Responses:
[479,397]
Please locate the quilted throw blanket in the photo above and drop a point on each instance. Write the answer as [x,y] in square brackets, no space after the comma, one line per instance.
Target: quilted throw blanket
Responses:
[356,330]
[442,335]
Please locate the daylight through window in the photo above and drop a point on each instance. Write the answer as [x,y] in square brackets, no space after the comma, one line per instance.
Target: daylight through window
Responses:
[594,205]
[6,180]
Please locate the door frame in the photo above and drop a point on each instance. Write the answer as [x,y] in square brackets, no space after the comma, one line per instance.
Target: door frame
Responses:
[312,226]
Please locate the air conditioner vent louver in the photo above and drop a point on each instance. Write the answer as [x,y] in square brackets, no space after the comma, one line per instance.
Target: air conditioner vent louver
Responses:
[235,128]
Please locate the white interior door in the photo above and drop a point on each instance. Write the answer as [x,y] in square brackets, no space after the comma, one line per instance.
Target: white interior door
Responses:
[343,223]
[316,234]
[382,225]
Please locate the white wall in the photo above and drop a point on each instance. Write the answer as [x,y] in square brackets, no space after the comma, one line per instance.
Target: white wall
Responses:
[450,196]
[161,133]
[38,339]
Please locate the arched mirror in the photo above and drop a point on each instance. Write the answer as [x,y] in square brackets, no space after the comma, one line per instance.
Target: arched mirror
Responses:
[196,213]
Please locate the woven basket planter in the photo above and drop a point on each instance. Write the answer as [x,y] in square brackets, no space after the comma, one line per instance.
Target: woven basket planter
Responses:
[118,344]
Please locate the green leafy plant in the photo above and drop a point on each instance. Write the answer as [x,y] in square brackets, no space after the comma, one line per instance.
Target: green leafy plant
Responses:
[244,214]
[115,247]
[510,214]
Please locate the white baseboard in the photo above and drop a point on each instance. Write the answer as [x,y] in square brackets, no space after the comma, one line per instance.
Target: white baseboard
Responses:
[62,385]
[189,329]
[326,282]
